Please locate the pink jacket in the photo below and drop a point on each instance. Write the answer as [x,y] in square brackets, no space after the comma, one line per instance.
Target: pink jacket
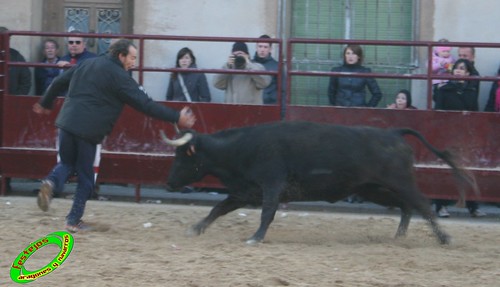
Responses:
[441,65]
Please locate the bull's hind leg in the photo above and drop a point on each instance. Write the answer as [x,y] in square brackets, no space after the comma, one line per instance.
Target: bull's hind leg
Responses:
[428,215]
[386,197]
[404,222]
[417,201]
[408,197]
[227,205]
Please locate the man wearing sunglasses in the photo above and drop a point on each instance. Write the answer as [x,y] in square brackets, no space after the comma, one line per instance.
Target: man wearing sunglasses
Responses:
[77,52]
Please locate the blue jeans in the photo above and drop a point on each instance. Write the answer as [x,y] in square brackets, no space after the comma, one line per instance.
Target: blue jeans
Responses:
[77,155]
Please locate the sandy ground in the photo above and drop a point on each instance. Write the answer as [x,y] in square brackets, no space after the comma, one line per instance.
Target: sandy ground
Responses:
[301,248]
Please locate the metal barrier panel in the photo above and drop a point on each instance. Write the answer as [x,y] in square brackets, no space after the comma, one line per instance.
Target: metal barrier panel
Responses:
[133,152]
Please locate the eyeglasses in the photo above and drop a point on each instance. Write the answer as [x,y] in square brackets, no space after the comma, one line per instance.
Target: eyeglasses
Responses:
[74,42]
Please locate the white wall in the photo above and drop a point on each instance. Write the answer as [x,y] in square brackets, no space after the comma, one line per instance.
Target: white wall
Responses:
[219,18]
[17,15]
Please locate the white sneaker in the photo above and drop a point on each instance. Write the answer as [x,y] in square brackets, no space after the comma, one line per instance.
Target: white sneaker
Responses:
[477,213]
[45,194]
[443,212]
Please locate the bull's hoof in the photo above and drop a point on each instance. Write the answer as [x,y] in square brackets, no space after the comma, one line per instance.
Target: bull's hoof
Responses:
[193,231]
[253,242]
[444,239]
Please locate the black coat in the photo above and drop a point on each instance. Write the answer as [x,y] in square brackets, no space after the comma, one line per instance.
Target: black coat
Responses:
[98,90]
[196,85]
[351,91]
[490,105]
[270,93]
[19,77]
[456,96]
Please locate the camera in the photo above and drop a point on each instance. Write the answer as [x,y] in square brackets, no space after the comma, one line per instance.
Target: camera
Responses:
[239,62]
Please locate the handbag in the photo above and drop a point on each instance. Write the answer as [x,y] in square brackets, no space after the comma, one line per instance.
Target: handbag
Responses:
[184,89]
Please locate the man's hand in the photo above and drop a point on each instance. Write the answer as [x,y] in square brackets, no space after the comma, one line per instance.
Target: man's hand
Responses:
[63,64]
[186,119]
[230,61]
[37,108]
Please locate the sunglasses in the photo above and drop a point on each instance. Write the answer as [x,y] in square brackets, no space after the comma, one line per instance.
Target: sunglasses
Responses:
[74,42]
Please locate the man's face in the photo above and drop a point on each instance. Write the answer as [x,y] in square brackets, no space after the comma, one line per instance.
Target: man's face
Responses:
[50,50]
[128,61]
[263,49]
[466,53]
[76,45]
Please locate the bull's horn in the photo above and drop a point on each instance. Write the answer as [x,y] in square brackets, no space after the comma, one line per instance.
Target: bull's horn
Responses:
[177,142]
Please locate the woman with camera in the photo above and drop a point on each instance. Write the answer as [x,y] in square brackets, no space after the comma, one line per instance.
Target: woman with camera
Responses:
[242,88]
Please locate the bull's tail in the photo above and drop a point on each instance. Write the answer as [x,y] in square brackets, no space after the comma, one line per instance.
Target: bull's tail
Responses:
[459,171]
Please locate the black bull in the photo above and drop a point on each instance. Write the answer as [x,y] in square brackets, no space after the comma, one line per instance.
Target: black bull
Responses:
[301,161]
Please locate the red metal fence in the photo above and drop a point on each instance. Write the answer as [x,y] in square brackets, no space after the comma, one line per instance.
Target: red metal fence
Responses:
[134,154]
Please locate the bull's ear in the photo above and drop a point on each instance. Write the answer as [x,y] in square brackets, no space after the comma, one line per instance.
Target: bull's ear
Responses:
[191,151]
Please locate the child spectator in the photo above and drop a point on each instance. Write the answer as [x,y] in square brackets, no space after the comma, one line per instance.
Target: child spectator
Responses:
[402,101]
[442,61]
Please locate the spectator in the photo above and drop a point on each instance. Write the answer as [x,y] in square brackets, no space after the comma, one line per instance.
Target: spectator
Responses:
[493,104]
[263,56]
[186,86]
[19,77]
[469,53]
[442,61]
[98,90]
[402,101]
[45,75]
[77,51]
[460,95]
[350,91]
[242,88]
[19,81]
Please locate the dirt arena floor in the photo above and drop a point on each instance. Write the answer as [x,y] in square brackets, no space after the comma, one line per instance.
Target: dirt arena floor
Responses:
[145,245]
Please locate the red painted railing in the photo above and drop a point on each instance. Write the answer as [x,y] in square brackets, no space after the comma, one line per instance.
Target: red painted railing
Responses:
[133,152]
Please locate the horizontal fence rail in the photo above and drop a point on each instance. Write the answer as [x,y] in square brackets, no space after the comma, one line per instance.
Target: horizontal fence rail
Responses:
[133,153]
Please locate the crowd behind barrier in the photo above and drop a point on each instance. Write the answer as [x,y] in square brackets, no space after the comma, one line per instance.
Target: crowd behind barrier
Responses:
[134,154]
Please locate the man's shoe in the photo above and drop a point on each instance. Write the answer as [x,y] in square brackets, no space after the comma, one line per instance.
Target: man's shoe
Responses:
[45,194]
[80,227]
[477,213]
[443,212]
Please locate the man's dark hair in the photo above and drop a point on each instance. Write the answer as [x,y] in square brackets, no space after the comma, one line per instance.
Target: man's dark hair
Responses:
[53,41]
[472,50]
[265,36]
[120,47]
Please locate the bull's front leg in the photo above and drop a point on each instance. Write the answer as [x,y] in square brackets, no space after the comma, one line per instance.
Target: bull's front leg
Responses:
[269,207]
[227,205]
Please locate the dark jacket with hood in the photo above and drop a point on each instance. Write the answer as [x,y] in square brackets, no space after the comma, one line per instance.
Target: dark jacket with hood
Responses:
[457,96]
[269,95]
[99,88]
[351,91]
[19,77]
